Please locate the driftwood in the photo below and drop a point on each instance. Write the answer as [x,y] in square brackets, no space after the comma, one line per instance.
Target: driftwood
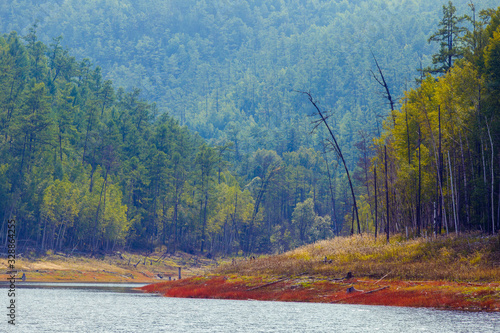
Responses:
[267,284]
[383,277]
[363,293]
[351,289]
[372,291]
[162,256]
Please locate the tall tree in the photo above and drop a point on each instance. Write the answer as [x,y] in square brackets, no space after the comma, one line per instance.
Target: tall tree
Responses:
[206,160]
[449,38]
[338,151]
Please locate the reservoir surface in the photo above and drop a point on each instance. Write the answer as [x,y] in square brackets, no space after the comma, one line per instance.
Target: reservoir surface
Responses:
[92,307]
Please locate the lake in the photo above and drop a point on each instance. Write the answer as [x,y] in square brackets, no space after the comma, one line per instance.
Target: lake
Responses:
[92,307]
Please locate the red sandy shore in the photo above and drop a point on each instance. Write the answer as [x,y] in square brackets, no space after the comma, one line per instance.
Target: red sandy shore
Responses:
[433,294]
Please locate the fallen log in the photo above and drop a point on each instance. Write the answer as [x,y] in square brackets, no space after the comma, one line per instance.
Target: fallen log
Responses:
[267,284]
[363,293]
[383,277]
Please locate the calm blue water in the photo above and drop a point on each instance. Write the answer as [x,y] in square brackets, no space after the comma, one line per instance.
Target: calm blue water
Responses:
[116,308]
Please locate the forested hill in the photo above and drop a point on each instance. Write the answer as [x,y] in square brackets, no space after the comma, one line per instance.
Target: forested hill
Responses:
[228,69]
[88,167]
[214,152]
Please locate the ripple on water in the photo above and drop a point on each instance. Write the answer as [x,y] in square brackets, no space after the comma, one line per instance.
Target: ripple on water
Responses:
[110,308]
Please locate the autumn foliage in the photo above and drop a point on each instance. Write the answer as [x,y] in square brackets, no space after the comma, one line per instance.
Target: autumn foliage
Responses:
[449,273]
[444,295]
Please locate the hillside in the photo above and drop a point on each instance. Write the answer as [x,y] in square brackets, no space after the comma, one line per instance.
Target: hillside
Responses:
[458,273]
[462,259]
[228,70]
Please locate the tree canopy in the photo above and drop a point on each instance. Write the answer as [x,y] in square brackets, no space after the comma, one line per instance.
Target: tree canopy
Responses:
[207,147]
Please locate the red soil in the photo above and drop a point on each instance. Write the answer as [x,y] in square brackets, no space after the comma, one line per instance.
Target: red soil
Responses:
[434,294]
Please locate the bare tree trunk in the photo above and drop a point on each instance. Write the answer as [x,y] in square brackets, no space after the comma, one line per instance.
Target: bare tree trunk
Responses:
[419,182]
[498,209]
[466,196]
[383,83]
[434,220]
[174,218]
[61,238]
[96,222]
[339,153]
[44,233]
[376,199]
[386,196]
[258,201]
[408,137]
[492,180]
[440,178]
[484,168]
[453,195]
[332,193]
[437,158]
[203,213]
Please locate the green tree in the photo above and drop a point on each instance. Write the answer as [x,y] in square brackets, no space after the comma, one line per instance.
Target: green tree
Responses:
[59,210]
[321,229]
[449,38]
[303,219]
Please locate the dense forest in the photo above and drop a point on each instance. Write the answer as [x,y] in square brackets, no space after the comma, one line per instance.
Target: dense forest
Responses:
[87,166]
[228,69]
[208,147]
[438,156]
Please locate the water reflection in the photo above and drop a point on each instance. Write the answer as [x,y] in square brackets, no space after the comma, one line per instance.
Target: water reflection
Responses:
[83,307]
[90,287]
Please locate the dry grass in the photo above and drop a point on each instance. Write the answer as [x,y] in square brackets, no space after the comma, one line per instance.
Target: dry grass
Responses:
[111,268]
[452,258]
[447,273]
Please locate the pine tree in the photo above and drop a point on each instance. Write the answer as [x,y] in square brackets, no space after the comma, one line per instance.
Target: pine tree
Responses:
[448,36]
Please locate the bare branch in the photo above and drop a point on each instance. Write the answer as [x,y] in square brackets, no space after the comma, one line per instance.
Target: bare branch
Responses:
[383,83]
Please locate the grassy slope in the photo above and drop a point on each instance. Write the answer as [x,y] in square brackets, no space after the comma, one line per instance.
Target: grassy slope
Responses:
[466,258]
[449,272]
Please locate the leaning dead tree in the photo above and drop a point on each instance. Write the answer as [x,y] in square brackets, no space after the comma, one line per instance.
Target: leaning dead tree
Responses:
[336,147]
[383,83]
[387,94]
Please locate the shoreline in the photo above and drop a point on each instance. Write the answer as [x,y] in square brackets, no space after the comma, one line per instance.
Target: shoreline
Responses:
[461,296]
[443,295]
[68,276]
[125,267]
[456,273]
